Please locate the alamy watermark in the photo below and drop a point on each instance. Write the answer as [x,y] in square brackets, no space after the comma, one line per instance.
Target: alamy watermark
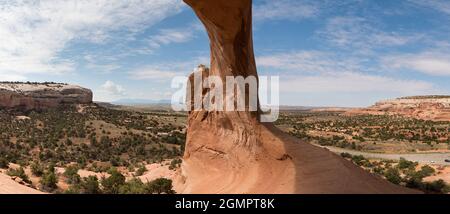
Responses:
[235,93]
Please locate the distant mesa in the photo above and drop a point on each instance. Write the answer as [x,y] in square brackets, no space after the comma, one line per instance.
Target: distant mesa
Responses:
[430,107]
[140,102]
[38,96]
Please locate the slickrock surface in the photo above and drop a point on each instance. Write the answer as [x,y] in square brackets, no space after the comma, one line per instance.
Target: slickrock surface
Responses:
[232,152]
[9,186]
[28,96]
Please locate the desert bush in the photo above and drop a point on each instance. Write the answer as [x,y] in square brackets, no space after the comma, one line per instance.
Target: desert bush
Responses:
[112,184]
[49,180]
[90,185]
[393,175]
[427,171]
[134,186]
[71,174]
[405,164]
[160,186]
[37,169]
[141,170]
[3,163]
[438,186]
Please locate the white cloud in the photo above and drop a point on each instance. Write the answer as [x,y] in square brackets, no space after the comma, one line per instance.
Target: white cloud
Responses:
[34,33]
[112,88]
[360,35]
[349,82]
[285,9]
[166,71]
[321,72]
[436,64]
[439,5]
[307,62]
[153,73]
[11,77]
[168,36]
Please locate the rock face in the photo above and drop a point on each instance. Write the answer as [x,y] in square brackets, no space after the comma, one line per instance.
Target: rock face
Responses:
[435,108]
[232,152]
[28,96]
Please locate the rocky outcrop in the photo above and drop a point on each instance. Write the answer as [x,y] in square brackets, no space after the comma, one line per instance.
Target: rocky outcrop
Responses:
[37,96]
[9,185]
[436,108]
[232,152]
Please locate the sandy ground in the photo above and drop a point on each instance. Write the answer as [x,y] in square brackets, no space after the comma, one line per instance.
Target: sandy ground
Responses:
[442,173]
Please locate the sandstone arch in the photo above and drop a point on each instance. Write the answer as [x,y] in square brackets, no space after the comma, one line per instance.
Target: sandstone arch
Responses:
[232,152]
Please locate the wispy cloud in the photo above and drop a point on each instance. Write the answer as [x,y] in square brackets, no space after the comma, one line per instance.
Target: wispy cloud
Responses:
[431,63]
[153,73]
[321,72]
[350,82]
[34,33]
[360,35]
[168,36]
[439,5]
[307,62]
[286,9]
[165,71]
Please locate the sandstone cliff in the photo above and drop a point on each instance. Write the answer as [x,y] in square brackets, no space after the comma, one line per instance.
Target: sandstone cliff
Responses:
[232,152]
[435,108]
[28,96]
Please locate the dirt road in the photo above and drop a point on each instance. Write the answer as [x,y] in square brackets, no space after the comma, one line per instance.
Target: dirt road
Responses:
[425,158]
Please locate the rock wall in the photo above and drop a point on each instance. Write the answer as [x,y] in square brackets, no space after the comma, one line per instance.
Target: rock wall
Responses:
[41,96]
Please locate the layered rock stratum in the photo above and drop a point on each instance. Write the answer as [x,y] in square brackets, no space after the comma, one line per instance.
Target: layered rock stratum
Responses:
[232,152]
[433,107]
[37,96]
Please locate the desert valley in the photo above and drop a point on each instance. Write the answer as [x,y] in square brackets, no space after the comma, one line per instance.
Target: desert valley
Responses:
[54,142]
[72,131]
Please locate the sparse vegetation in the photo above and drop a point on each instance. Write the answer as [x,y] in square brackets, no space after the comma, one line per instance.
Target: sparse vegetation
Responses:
[372,133]
[49,179]
[93,139]
[402,172]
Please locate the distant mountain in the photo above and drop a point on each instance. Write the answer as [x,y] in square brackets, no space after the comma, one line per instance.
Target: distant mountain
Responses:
[139,102]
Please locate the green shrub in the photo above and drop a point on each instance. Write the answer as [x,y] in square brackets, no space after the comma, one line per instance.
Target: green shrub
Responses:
[405,164]
[141,170]
[49,180]
[346,155]
[90,185]
[393,176]
[112,184]
[175,163]
[37,169]
[71,174]
[4,163]
[427,171]
[134,186]
[160,186]
[438,186]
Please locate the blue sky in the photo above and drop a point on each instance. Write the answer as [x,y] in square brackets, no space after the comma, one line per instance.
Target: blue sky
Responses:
[327,53]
